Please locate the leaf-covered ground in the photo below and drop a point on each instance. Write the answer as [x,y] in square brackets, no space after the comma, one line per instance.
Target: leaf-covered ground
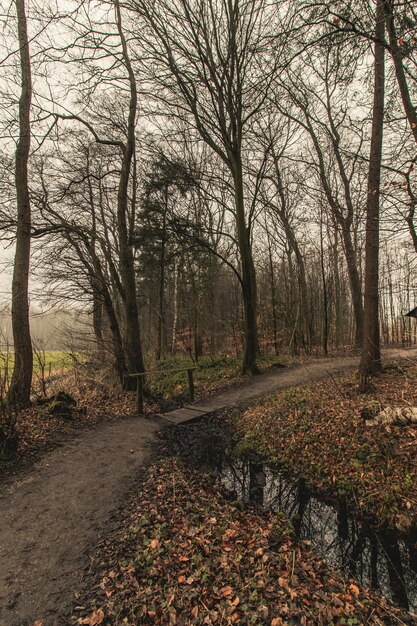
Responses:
[182,556]
[317,431]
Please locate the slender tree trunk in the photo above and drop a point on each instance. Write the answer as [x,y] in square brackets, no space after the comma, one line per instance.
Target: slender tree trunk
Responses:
[175,308]
[338,313]
[104,300]
[325,295]
[95,284]
[119,356]
[355,286]
[248,278]
[307,318]
[305,308]
[273,297]
[161,304]
[198,339]
[371,353]
[23,362]
[134,354]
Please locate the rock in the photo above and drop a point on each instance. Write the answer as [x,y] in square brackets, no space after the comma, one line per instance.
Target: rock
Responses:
[397,416]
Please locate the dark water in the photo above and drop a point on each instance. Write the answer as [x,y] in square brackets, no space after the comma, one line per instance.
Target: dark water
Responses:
[377,557]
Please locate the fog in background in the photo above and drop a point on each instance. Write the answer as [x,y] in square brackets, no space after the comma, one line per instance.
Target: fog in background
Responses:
[51,330]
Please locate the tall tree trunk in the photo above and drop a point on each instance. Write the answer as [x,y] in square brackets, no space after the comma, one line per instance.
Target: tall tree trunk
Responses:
[23,362]
[355,286]
[119,356]
[134,354]
[371,353]
[97,299]
[104,300]
[282,211]
[175,308]
[161,288]
[196,311]
[325,294]
[273,296]
[248,278]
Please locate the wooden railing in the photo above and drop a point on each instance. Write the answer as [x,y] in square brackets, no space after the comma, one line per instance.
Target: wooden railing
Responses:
[140,378]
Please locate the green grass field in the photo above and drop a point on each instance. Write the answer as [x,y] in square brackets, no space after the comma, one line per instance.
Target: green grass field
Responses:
[58,360]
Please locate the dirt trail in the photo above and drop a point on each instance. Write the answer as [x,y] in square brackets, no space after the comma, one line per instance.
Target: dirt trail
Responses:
[50,516]
[275,380]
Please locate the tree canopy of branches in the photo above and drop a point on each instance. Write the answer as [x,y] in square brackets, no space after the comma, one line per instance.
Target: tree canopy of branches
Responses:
[212,176]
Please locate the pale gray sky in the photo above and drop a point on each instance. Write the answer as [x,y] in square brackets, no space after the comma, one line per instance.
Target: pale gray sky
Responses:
[6,258]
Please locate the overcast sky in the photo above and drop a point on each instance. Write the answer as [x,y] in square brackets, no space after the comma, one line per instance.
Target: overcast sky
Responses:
[6,257]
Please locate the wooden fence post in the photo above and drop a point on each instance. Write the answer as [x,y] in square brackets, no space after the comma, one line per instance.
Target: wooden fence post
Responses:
[191,384]
[139,389]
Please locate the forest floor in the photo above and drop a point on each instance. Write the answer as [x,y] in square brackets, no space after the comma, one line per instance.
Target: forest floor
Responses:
[54,511]
[318,431]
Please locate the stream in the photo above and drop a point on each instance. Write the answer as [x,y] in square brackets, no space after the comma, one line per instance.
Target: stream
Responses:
[377,557]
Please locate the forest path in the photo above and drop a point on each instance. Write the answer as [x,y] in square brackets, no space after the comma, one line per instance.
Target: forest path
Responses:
[51,514]
[274,380]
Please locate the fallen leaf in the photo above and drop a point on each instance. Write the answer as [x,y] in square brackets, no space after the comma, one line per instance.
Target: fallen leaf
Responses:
[226,591]
[354,589]
[95,618]
[154,544]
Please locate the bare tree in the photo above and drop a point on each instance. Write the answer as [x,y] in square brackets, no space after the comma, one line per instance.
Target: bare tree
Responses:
[371,353]
[215,61]
[319,102]
[126,260]
[23,366]
[107,67]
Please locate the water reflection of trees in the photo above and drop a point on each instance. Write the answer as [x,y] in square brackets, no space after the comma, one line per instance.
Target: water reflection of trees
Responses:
[375,557]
